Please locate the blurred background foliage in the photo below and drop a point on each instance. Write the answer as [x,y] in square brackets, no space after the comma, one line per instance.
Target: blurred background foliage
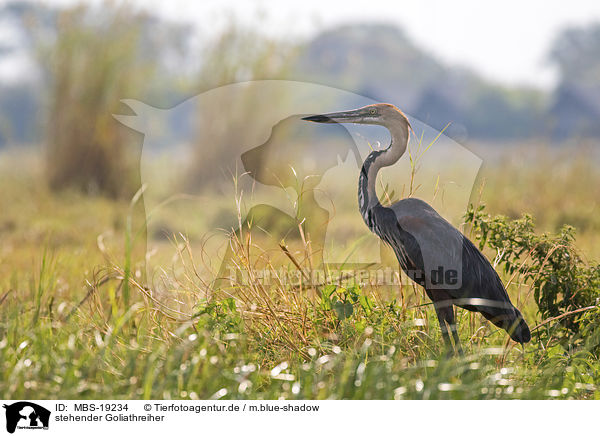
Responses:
[82,60]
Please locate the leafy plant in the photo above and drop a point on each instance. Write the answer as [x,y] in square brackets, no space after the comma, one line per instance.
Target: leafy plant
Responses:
[343,300]
[221,315]
[564,286]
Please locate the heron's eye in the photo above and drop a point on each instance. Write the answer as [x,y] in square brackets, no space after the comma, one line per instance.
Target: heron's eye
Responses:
[372,111]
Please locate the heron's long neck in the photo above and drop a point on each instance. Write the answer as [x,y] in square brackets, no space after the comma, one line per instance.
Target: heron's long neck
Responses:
[367,195]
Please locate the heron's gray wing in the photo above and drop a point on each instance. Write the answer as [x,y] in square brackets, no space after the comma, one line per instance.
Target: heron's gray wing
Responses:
[444,252]
[480,279]
[430,242]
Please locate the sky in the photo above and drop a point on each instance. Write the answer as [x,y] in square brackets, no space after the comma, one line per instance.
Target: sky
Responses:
[505,41]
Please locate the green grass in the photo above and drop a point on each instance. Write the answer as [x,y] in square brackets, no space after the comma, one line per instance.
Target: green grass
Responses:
[78,319]
[106,350]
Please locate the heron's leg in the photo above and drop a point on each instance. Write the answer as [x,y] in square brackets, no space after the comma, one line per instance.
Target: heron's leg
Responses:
[445,313]
[441,309]
[454,328]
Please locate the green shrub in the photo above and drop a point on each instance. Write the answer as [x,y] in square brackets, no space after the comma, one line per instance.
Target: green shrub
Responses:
[564,286]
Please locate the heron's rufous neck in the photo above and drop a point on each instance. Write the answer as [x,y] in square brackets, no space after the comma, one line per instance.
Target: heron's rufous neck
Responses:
[367,194]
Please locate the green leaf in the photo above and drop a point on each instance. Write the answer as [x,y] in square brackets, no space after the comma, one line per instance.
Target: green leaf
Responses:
[343,309]
[328,290]
[554,351]
[326,296]
[366,304]
[354,293]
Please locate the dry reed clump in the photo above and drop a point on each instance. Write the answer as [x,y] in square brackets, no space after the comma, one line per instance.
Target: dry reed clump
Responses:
[92,67]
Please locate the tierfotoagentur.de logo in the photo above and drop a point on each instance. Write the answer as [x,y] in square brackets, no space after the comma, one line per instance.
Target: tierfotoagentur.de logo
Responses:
[25,415]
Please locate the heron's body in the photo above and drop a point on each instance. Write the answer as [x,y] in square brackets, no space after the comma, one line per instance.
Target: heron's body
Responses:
[429,249]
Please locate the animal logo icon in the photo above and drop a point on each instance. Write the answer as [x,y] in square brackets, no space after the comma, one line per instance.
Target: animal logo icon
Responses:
[26,415]
[241,155]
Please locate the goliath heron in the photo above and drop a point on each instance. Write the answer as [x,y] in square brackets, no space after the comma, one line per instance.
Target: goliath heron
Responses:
[424,242]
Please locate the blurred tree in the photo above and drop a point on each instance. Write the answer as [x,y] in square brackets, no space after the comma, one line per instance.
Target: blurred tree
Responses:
[576,53]
[97,58]
[238,54]
[376,60]
[19,114]
[21,96]
[92,66]
[506,113]
[575,109]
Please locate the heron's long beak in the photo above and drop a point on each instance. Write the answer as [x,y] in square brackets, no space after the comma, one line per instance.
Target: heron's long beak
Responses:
[336,117]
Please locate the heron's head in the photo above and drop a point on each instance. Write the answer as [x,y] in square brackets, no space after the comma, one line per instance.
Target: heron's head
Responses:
[381,114]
